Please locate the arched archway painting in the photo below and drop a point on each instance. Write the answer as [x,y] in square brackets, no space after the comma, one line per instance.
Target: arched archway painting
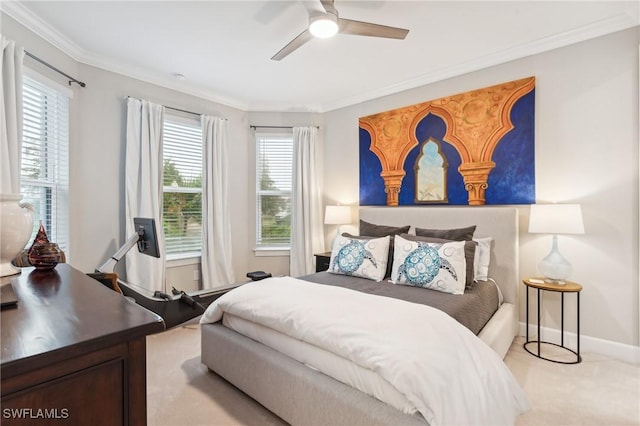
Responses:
[484,141]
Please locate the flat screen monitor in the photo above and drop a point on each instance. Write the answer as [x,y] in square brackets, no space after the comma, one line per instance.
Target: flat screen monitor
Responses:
[147,237]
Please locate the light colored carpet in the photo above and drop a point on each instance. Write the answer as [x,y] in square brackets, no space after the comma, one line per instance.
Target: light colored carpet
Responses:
[181,391]
[598,391]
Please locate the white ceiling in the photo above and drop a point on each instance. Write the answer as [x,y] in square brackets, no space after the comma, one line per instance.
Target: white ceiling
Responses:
[223,48]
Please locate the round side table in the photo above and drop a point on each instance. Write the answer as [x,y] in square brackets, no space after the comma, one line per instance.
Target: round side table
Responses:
[569,287]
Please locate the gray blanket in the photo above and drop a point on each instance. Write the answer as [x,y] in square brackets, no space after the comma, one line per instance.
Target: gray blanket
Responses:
[472,309]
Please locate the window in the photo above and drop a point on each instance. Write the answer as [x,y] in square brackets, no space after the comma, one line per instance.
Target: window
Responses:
[182,187]
[431,173]
[274,163]
[45,157]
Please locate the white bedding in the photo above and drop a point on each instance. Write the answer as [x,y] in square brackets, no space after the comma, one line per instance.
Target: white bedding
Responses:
[440,367]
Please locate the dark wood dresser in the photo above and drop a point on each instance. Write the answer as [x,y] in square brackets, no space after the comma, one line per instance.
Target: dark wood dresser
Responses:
[73,352]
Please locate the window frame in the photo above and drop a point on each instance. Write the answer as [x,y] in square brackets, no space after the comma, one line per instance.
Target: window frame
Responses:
[177,118]
[54,150]
[270,248]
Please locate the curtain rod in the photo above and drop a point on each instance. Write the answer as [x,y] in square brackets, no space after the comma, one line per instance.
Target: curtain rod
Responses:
[71,79]
[177,109]
[254,127]
[183,110]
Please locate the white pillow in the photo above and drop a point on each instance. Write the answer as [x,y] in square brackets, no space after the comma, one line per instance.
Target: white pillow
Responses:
[438,266]
[366,258]
[482,258]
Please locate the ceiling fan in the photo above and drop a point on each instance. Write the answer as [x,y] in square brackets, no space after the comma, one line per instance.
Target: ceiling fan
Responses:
[324,22]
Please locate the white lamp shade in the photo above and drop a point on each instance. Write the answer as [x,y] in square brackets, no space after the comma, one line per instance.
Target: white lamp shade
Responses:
[337,215]
[556,219]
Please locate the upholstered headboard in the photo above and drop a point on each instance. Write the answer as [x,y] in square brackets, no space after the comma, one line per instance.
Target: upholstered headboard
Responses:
[501,223]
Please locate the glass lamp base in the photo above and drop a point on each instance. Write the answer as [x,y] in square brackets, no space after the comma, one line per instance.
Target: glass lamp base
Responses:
[554,281]
[554,267]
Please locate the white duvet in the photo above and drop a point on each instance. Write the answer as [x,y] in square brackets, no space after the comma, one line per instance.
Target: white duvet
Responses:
[438,365]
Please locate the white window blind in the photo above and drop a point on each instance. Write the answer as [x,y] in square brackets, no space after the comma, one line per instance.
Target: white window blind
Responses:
[45,159]
[182,197]
[274,164]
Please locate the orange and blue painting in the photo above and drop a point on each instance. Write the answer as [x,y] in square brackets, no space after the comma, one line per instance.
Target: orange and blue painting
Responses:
[474,148]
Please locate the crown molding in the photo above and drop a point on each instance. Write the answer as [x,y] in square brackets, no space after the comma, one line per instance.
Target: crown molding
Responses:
[43,29]
[148,76]
[619,22]
[25,17]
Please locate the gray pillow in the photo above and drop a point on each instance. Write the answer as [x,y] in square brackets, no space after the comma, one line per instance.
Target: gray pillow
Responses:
[469,254]
[457,234]
[372,230]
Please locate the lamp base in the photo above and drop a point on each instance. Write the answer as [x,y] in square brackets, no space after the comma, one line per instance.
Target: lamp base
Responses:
[554,281]
[16,223]
[554,267]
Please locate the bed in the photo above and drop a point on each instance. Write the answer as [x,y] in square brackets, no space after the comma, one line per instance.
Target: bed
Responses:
[300,394]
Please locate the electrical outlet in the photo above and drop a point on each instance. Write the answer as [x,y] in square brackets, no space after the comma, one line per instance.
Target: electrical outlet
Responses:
[196,275]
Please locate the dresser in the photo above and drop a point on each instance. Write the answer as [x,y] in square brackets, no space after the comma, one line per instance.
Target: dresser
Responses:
[73,351]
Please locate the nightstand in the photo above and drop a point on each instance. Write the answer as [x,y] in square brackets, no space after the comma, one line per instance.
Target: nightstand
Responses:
[569,287]
[322,261]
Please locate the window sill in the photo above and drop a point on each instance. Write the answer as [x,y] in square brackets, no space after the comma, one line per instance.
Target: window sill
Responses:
[183,260]
[271,251]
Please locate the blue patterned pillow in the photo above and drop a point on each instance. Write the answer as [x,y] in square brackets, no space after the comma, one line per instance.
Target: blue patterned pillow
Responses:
[438,266]
[366,258]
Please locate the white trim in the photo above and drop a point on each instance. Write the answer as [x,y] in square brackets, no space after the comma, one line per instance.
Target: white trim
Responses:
[183,259]
[33,22]
[606,26]
[271,251]
[620,351]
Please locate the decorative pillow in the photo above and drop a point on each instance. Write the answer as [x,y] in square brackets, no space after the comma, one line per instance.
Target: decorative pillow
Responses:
[469,255]
[457,234]
[387,273]
[366,258]
[482,259]
[438,266]
[372,230]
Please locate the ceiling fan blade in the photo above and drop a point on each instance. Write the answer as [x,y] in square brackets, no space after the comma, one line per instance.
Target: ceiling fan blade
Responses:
[328,5]
[347,26]
[301,39]
[314,7]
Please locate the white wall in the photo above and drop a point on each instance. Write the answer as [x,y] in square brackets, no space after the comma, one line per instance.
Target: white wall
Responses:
[586,152]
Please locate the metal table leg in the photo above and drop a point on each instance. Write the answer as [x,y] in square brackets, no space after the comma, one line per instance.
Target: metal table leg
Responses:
[539,337]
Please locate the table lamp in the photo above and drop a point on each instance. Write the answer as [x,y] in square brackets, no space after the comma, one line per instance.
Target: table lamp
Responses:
[555,219]
[337,215]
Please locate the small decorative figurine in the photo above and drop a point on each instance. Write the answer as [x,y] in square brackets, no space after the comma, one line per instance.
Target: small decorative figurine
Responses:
[44,255]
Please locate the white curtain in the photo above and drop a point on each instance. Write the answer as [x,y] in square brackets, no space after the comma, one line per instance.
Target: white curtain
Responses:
[217,267]
[143,187]
[10,116]
[307,236]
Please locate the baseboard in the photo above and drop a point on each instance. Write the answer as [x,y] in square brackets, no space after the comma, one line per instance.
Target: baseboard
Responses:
[620,351]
